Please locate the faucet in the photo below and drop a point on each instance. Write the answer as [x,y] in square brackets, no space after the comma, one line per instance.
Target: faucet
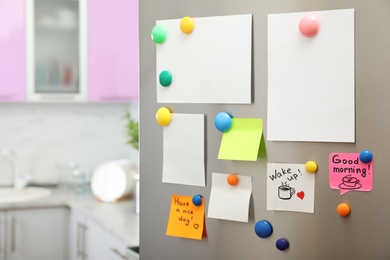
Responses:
[20,181]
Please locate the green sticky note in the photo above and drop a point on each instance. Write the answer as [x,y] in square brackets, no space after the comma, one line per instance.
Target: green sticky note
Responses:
[242,141]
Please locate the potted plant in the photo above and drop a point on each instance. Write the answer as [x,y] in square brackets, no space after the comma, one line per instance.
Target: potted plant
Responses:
[133,141]
[132,131]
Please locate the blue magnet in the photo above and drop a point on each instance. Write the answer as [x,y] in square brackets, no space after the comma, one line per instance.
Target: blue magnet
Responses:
[197,200]
[365,156]
[223,121]
[165,78]
[263,229]
[282,244]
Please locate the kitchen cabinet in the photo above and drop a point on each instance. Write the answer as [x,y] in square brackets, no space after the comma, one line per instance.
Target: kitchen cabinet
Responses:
[34,234]
[115,249]
[64,51]
[56,50]
[12,51]
[90,241]
[113,50]
[85,239]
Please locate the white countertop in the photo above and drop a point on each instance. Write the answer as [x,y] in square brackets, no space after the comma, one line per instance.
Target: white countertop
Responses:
[118,218]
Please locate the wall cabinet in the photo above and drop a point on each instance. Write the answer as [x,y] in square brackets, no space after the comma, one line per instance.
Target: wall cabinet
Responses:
[65,51]
[12,51]
[56,50]
[89,241]
[113,50]
[34,234]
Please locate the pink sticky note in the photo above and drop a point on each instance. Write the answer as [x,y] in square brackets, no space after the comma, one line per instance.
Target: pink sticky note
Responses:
[347,172]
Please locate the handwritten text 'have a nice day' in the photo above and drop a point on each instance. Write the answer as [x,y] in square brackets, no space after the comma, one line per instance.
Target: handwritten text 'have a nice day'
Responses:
[183,207]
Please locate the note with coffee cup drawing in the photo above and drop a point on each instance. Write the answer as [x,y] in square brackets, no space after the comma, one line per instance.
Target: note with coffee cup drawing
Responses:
[290,188]
[347,172]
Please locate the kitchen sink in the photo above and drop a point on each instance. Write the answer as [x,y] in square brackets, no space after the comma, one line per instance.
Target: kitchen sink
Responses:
[8,195]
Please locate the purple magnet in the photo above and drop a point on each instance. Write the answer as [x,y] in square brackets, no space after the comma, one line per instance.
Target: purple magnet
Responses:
[282,244]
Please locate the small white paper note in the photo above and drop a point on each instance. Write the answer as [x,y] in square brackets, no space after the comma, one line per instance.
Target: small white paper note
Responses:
[290,188]
[311,80]
[184,150]
[213,64]
[230,202]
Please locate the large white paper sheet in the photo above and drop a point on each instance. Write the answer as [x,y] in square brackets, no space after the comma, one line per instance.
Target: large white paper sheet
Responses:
[210,65]
[184,150]
[311,80]
[230,202]
[290,188]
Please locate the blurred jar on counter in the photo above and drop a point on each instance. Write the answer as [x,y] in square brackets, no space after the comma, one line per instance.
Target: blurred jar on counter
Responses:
[72,178]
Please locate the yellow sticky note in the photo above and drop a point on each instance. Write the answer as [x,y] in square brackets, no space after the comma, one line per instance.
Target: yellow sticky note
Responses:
[186,219]
[242,141]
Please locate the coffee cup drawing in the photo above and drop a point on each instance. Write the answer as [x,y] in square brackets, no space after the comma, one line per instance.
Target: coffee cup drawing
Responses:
[285,192]
[350,183]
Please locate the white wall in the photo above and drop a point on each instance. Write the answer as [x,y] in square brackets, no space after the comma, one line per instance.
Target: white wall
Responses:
[42,135]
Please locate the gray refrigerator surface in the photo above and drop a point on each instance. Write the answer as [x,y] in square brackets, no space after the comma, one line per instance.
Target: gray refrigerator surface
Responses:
[364,234]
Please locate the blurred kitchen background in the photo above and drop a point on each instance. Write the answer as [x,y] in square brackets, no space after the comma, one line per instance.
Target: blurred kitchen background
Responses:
[68,173]
[44,135]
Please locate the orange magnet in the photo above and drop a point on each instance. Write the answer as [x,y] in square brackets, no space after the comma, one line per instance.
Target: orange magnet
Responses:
[232,179]
[343,209]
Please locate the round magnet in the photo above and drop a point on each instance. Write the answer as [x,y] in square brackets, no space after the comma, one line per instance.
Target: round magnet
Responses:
[309,25]
[187,25]
[263,229]
[159,34]
[232,179]
[163,116]
[311,167]
[365,156]
[223,121]
[343,209]
[282,244]
[165,78]
[197,200]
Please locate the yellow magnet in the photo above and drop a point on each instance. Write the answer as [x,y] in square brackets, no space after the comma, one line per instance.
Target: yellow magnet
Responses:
[187,25]
[163,116]
[311,167]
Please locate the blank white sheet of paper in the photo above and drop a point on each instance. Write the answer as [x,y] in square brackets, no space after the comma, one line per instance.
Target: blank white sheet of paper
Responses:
[183,158]
[230,202]
[210,65]
[311,80]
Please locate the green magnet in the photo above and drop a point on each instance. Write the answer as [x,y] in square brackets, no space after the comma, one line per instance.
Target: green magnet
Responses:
[159,34]
[165,78]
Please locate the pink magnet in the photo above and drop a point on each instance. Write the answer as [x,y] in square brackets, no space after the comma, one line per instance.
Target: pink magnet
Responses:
[309,25]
